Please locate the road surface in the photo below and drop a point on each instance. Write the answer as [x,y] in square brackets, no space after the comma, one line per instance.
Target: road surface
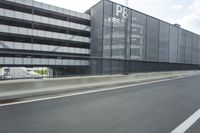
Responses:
[153,108]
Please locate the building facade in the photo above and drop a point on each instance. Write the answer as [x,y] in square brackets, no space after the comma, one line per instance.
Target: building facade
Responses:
[108,38]
[38,34]
[122,33]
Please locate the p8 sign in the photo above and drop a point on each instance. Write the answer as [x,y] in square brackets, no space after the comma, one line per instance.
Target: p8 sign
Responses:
[120,10]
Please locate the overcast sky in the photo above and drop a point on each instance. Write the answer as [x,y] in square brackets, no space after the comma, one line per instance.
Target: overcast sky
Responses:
[184,12]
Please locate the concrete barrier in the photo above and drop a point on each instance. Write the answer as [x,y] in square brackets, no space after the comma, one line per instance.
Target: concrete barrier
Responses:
[51,83]
[29,88]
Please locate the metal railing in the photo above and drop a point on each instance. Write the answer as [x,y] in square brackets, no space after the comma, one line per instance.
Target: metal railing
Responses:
[107,66]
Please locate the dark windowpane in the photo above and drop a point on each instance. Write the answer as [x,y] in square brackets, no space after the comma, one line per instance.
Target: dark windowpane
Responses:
[138,36]
[152,39]
[173,43]
[164,42]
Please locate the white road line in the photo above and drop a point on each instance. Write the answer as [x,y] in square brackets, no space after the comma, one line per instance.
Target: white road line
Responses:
[91,91]
[187,123]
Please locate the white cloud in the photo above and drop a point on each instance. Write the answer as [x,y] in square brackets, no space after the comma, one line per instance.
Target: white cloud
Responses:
[194,7]
[177,7]
[191,20]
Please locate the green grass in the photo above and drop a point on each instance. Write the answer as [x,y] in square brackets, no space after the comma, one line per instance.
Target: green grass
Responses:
[41,72]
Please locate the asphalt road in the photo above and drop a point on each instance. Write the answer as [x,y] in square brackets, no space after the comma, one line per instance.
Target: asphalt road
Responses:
[153,108]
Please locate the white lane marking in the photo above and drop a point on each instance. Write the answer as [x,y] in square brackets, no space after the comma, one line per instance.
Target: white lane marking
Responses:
[187,123]
[91,91]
